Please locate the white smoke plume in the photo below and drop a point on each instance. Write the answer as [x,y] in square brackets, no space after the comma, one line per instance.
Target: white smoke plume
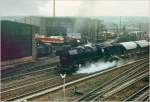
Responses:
[87,7]
[98,66]
[101,65]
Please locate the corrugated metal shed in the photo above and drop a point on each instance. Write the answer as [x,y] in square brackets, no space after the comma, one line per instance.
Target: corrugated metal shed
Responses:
[142,43]
[129,45]
[17,42]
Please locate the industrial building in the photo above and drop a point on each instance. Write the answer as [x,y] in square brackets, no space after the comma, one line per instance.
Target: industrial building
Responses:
[90,29]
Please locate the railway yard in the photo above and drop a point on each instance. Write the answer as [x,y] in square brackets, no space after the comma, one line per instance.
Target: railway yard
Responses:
[53,66]
[43,83]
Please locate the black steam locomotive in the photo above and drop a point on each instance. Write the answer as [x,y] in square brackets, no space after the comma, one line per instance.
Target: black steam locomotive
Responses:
[72,58]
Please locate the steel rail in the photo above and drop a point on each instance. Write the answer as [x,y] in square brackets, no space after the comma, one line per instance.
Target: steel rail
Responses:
[144,97]
[40,70]
[118,88]
[136,93]
[27,85]
[109,81]
[35,94]
[115,84]
[11,84]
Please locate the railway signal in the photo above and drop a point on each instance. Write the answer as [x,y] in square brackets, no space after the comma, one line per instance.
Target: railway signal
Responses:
[63,76]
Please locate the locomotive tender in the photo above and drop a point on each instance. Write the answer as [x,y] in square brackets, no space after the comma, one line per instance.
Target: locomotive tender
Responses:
[72,58]
[43,49]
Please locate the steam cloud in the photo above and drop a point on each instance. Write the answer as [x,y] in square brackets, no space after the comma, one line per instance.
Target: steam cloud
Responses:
[98,66]
[101,65]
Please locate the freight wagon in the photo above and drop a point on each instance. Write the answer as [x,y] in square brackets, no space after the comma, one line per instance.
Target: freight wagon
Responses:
[17,42]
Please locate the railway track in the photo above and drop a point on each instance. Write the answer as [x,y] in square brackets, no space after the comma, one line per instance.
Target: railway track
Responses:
[124,85]
[35,92]
[10,87]
[29,78]
[33,87]
[28,73]
[100,92]
[141,95]
[17,70]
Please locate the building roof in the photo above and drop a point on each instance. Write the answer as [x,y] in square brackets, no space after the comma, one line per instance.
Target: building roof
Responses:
[129,45]
[142,43]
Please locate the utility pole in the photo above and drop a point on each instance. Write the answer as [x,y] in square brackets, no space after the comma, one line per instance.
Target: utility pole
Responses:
[54,8]
[120,25]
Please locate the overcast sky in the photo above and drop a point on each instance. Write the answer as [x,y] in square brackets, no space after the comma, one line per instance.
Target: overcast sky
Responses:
[75,7]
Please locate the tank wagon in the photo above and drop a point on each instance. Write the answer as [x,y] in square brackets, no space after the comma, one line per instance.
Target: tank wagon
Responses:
[71,59]
[17,42]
